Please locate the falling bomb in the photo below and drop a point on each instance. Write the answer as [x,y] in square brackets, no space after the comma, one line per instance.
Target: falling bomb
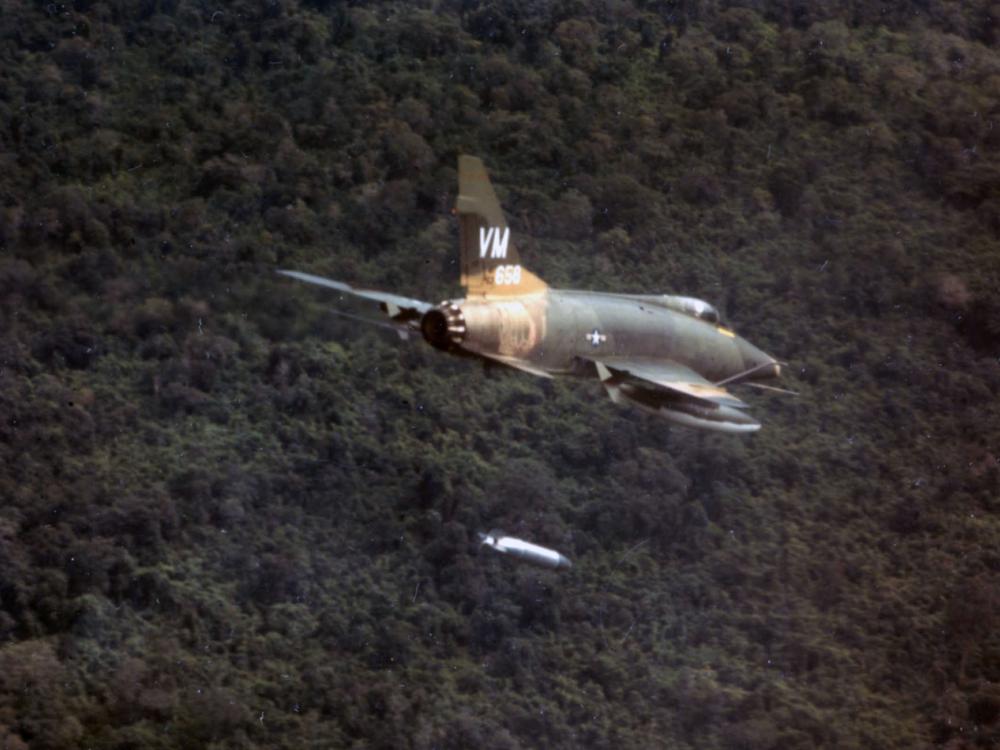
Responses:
[526,551]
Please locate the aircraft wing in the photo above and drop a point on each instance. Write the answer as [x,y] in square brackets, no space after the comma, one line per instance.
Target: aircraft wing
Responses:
[395,305]
[671,376]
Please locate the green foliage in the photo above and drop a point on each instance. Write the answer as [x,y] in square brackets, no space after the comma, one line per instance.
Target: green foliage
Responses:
[230,519]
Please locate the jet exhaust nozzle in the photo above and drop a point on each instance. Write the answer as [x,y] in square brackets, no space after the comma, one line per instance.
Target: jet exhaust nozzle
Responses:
[443,327]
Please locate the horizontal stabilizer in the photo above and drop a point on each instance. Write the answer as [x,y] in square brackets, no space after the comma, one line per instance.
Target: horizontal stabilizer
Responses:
[403,330]
[516,364]
[394,304]
[608,381]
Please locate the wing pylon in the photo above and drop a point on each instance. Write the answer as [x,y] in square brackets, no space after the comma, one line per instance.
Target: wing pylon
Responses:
[674,392]
[671,376]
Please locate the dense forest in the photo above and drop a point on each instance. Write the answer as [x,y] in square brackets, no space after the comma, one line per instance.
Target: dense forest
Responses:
[232,519]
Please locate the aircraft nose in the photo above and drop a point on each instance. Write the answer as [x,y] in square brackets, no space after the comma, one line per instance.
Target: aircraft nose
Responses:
[760,366]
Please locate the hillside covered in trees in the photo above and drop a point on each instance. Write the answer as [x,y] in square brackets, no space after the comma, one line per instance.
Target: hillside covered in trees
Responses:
[231,519]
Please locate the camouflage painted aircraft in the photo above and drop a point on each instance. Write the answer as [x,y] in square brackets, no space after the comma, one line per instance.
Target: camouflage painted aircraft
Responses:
[666,354]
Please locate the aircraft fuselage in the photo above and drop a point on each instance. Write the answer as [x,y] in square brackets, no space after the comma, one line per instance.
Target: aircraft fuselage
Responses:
[559,331]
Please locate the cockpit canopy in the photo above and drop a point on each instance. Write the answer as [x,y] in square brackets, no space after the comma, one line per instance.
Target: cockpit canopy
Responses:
[696,308]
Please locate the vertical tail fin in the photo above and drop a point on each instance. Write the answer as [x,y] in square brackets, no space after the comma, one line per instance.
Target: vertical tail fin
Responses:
[490,262]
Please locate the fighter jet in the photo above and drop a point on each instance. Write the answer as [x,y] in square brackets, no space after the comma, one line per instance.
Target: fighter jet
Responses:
[666,354]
